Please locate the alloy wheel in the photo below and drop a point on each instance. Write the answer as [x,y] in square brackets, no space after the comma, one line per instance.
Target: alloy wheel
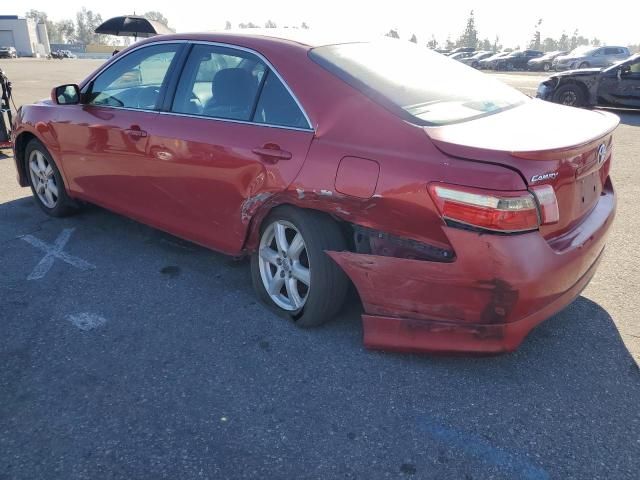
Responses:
[569,98]
[43,179]
[284,265]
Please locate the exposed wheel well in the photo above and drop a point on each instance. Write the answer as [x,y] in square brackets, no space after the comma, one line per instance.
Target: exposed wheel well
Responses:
[21,145]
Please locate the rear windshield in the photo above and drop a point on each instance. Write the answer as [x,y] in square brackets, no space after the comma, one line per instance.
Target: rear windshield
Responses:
[420,85]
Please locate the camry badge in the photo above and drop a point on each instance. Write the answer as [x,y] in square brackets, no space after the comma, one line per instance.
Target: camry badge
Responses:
[602,154]
[544,176]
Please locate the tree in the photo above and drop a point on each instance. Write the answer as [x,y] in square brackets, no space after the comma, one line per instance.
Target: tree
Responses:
[433,43]
[470,36]
[486,45]
[413,38]
[595,41]
[535,41]
[497,46]
[550,45]
[449,45]
[86,24]
[393,33]
[227,26]
[248,25]
[270,24]
[577,40]
[157,17]
[304,26]
[563,43]
[41,17]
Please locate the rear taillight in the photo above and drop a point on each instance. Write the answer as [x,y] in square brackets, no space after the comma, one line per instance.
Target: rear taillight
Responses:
[548,204]
[497,211]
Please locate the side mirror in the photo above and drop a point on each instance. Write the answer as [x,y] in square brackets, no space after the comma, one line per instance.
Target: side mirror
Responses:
[66,94]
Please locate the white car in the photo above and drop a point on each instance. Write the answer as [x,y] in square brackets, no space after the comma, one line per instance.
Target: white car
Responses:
[8,52]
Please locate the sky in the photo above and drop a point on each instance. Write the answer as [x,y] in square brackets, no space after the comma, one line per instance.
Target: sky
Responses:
[613,21]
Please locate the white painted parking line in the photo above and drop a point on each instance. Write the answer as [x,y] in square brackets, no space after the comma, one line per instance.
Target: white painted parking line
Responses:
[86,321]
[52,252]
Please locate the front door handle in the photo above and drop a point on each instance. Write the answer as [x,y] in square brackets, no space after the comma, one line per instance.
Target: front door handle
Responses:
[272,152]
[135,132]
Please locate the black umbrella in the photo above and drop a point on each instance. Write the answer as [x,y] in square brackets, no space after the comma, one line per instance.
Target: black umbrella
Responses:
[133,26]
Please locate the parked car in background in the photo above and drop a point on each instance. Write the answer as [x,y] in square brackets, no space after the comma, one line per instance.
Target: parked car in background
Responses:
[545,62]
[489,63]
[614,86]
[462,49]
[8,52]
[588,57]
[517,60]
[57,54]
[474,60]
[461,55]
[250,145]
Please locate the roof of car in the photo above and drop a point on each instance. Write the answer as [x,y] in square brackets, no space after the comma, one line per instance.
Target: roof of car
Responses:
[303,37]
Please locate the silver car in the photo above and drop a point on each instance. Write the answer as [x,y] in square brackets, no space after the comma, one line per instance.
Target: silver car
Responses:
[587,57]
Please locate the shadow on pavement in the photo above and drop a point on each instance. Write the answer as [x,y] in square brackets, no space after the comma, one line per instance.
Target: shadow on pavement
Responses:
[161,363]
[628,117]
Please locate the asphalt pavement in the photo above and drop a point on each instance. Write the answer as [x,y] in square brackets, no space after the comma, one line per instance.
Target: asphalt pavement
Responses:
[130,354]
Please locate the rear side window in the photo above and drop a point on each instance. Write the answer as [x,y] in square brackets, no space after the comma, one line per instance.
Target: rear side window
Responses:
[227,83]
[416,83]
[277,107]
[612,51]
[219,82]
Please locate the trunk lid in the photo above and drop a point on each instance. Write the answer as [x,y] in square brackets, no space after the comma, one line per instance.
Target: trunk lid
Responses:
[545,143]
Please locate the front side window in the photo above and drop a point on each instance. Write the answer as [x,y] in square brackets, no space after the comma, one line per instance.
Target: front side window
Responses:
[420,85]
[135,80]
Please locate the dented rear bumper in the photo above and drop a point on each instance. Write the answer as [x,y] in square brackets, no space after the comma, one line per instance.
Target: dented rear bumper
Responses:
[487,300]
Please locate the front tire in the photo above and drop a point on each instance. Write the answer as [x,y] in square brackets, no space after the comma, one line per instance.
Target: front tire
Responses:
[45,181]
[571,95]
[546,67]
[290,270]
[583,65]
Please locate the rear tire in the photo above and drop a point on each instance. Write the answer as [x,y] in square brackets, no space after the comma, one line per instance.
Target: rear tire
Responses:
[571,95]
[583,65]
[46,182]
[279,270]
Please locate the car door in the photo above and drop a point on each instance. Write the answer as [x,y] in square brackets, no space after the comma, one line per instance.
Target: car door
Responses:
[620,86]
[105,141]
[231,135]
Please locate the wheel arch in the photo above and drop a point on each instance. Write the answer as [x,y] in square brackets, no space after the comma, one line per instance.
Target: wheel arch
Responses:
[583,88]
[263,211]
[20,148]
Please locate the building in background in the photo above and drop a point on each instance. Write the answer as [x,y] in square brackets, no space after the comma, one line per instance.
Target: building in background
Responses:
[28,38]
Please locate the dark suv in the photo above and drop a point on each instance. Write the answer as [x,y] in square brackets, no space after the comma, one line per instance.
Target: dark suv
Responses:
[517,60]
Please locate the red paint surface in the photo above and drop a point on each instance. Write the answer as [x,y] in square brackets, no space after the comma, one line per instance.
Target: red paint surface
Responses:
[357,177]
[205,180]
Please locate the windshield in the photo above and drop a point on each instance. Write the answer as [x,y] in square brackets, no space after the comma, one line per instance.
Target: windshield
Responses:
[425,87]
[631,60]
[582,51]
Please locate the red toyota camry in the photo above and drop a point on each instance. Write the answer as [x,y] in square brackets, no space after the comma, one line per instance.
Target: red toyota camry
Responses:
[464,212]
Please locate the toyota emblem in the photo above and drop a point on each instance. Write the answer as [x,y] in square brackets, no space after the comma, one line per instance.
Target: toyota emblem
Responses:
[602,154]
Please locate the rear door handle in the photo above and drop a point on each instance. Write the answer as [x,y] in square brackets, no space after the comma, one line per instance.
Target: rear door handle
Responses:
[272,152]
[136,132]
